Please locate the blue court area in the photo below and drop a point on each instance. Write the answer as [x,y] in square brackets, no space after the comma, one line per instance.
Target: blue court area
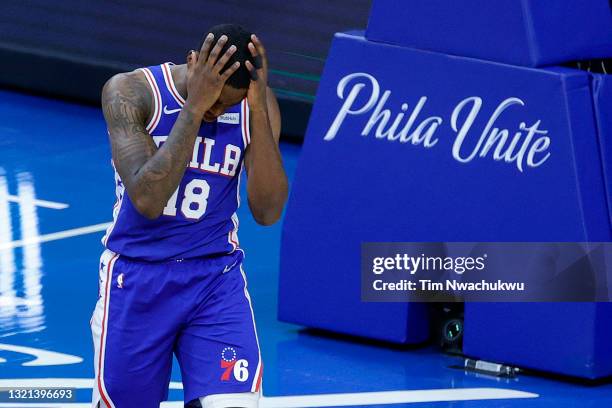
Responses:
[56,198]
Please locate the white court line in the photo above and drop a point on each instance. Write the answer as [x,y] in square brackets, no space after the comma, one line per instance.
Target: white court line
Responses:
[56,235]
[298,401]
[393,397]
[39,203]
[42,357]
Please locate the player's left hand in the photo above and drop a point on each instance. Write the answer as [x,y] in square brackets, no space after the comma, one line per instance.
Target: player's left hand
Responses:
[257,93]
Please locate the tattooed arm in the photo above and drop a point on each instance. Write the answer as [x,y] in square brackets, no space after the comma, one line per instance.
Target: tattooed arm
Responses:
[151,175]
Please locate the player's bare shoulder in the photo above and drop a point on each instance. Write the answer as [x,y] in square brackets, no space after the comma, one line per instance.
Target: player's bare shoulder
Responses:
[126,101]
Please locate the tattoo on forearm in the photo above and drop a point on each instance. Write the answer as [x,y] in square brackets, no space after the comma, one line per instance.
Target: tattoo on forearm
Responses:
[146,171]
[170,161]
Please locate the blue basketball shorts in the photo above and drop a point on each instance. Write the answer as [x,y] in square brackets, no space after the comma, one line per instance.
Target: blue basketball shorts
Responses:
[199,310]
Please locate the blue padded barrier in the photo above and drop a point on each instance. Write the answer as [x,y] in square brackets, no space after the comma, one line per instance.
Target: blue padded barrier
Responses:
[571,339]
[602,98]
[521,32]
[565,338]
[354,184]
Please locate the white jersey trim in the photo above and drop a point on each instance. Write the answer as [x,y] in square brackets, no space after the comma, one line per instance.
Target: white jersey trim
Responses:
[170,84]
[245,128]
[157,100]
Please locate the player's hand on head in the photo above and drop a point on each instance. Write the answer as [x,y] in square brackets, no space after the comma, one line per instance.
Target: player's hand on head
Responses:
[259,75]
[205,74]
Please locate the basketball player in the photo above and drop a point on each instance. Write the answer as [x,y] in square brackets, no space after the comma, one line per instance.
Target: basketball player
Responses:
[171,277]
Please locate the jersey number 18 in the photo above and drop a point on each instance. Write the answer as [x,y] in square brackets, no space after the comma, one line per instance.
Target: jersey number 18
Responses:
[194,202]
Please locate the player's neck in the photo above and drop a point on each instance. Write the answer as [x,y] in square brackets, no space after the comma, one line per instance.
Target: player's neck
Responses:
[179,76]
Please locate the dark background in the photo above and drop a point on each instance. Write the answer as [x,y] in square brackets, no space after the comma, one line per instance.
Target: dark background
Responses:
[69,48]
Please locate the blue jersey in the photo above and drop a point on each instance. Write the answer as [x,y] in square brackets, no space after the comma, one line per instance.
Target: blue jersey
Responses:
[200,218]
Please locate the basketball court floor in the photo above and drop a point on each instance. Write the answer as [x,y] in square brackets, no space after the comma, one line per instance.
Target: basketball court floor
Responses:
[56,197]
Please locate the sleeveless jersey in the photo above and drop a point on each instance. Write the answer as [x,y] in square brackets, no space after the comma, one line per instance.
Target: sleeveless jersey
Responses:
[200,217]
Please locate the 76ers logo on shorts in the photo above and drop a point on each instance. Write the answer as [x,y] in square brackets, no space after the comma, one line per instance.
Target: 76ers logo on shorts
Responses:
[233,367]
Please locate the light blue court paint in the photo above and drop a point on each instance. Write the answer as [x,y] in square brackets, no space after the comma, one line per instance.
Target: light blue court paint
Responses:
[56,196]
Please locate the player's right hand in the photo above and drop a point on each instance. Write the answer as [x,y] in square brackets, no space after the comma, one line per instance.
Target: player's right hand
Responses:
[205,78]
